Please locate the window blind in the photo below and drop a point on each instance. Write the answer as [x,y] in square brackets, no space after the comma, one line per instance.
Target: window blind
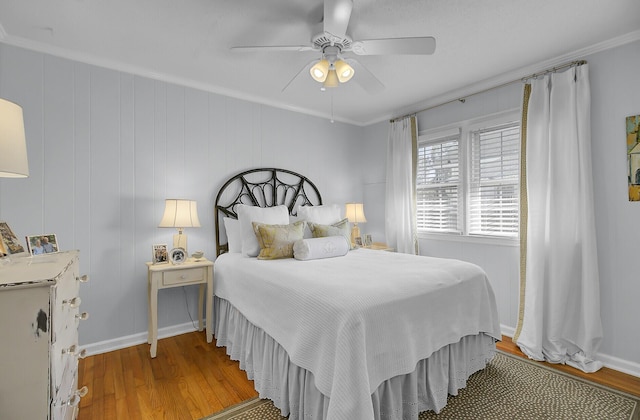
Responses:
[493,204]
[437,181]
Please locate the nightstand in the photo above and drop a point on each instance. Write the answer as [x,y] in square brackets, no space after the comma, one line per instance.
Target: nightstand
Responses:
[379,246]
[164,276]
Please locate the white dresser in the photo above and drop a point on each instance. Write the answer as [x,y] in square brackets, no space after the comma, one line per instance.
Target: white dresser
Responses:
[39,316]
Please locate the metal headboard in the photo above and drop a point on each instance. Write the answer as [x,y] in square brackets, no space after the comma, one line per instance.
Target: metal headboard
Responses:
[263,187]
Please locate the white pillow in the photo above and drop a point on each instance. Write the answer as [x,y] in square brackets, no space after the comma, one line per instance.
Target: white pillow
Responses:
[234,234]
[278,215]
[317,248]
[322,215]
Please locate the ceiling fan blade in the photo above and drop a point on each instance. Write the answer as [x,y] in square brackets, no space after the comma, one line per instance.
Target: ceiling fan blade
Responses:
[302,70]
[390,46]
[258,48]
[336,17]
[364,77]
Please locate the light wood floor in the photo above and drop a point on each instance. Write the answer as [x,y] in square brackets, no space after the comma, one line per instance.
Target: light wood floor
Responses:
[190,379]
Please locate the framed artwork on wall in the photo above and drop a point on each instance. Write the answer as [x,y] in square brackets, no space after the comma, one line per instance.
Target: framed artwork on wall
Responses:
[633,156]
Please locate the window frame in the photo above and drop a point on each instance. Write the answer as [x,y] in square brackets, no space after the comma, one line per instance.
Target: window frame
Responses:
[466,128]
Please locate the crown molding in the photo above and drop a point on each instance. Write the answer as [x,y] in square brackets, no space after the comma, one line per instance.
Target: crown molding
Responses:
[162,77]
[513,76]
[469,90]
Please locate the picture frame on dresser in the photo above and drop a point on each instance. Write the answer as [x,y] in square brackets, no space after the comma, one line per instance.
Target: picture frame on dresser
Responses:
[3,250]
[160,254]
[42,244]
[11,245]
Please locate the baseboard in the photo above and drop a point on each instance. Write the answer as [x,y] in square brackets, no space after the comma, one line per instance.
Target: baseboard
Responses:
[135,339]
[621,365]
[611,362]
[624,366]
[508,331]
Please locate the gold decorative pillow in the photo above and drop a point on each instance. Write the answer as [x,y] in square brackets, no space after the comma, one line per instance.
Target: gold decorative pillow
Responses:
[340,228]
[276,241]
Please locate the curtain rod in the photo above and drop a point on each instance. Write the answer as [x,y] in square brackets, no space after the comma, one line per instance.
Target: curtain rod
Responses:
[522,79]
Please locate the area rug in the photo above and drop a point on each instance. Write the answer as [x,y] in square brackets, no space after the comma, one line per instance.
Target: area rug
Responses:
[509,387]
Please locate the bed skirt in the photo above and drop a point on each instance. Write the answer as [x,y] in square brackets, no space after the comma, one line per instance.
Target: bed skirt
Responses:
[292,388]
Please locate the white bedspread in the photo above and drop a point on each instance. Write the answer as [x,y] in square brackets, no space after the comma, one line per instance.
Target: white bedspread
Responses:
[358,320]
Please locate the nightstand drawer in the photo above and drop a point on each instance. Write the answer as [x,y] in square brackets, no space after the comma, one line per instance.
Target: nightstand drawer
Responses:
[191,275]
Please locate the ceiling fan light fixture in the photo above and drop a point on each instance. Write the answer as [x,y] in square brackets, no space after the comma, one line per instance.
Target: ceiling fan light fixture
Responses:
[332,79]
[344,71]
[320,70]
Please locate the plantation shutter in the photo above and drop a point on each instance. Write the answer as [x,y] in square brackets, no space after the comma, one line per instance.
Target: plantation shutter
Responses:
[494,186]
[438,185]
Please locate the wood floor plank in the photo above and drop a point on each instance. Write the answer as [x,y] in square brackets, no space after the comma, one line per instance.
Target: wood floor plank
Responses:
[191,378]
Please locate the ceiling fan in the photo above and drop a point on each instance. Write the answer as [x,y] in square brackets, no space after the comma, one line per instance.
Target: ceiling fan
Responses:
[336,64]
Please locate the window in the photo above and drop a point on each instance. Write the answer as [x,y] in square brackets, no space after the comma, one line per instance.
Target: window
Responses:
[468,179]
[438,181]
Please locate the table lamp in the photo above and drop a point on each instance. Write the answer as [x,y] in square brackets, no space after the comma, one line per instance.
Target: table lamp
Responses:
[355,214]
[13,144]
[180,214]
[13,152]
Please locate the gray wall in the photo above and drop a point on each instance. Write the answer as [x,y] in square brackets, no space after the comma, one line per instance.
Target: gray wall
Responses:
[106,148]
[615,95]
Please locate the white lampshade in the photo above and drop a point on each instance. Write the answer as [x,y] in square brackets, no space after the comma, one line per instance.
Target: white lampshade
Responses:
[355,213]
[344,71]
[180,214]
[13,144]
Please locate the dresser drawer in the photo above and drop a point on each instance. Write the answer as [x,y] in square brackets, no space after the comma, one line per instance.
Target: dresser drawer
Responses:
[65,402]
[64,357]
[188,276]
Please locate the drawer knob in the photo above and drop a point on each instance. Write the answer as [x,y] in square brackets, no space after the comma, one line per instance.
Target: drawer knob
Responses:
[83,316]
[83,278]
[77,396]
[73,303]
[70,350]
[73,350]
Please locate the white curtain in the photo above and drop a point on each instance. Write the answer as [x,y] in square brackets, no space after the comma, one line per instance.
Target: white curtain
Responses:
[400,204]
[561,315]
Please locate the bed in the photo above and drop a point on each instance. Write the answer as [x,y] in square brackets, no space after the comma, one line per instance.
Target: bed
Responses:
[368,335]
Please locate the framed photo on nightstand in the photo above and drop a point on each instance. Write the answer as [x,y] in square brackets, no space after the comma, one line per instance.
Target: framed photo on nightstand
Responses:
[177,256]
[160,254]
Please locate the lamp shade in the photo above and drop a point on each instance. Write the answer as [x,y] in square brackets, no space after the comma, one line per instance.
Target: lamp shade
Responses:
[332,79]
[13,144]
[344,71]
[180,214]
[320,70]
[355,213]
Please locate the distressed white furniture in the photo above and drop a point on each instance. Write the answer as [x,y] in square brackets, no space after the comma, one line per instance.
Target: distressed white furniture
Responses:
[39,316]
[163,276]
